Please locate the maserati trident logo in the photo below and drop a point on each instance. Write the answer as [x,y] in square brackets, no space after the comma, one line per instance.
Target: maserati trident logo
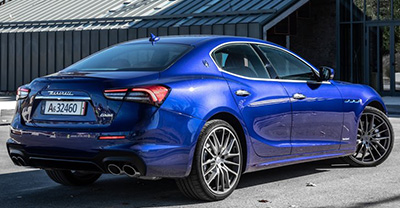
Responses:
[68,93]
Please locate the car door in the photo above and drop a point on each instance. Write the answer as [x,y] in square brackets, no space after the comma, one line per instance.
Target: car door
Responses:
[263,103]
[317,107]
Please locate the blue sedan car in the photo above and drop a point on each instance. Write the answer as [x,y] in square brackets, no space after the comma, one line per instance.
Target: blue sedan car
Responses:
[200,109]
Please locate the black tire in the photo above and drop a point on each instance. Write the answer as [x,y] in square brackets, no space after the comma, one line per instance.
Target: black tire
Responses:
[194,186]
[70,178]
[388,143]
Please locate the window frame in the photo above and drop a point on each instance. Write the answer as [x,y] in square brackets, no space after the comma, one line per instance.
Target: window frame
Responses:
[264,79]
[313,70]
[213,57]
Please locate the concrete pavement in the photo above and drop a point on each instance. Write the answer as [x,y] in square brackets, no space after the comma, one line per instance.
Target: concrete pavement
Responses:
[7,106]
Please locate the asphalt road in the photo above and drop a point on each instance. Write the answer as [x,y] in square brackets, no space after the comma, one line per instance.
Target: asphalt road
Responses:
[337,185]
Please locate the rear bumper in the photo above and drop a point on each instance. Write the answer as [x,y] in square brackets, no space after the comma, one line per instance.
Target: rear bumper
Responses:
[21,157]
[159,149]
[160,161]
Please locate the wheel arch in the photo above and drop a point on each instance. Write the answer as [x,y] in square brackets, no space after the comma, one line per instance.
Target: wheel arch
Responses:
[378,105]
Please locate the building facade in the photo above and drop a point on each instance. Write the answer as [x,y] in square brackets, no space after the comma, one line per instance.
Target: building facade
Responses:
[359,38]
[369,43]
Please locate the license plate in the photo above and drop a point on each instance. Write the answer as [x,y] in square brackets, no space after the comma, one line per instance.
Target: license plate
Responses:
[74,108]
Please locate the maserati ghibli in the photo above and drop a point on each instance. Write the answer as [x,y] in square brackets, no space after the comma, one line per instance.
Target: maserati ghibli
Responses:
[202,110]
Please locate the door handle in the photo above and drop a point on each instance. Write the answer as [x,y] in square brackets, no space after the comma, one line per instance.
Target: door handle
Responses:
[299,96]
[242,93]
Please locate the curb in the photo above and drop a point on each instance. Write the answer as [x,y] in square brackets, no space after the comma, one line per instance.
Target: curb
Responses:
[393,110]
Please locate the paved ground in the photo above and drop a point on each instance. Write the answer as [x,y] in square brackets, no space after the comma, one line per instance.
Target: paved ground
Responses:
[336,186]
[7,106]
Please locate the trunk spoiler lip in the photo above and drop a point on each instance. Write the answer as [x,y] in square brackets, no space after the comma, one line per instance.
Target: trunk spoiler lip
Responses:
[61,97]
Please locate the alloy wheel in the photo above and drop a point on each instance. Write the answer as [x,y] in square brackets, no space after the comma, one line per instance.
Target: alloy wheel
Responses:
[373,139]
[221,160]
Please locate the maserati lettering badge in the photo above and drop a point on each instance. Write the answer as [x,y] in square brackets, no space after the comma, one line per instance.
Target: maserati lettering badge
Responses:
[69,93]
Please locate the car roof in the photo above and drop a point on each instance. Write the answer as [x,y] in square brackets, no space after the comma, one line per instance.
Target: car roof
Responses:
[196,40]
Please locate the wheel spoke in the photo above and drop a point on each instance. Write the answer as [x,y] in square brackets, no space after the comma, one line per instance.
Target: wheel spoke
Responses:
[372,155]
[229,148]
[222,139]
[359,149]
[229,170]
[380,145]
[212,177]
[378,139]
[226,177]
[364,153]
[376,150]
[222,180]
[232,155]
[209,161]
[361,126]
[366,122]
[225,146]
[216,141]
[210,169]
[379,132]
[218,179]
[209,152]
[231,163]
[375,128]
[372,122]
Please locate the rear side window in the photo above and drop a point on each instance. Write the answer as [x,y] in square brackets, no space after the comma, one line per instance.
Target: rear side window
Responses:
[132,57]
[240,59]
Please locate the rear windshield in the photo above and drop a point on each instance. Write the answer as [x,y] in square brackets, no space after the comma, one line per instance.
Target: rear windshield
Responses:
[132,57]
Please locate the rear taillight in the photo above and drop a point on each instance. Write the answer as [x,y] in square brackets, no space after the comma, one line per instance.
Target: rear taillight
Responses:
[154,94]
[117,94]
[22,93]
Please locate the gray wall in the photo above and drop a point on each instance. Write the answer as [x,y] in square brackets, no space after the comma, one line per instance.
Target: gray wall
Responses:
[27,55]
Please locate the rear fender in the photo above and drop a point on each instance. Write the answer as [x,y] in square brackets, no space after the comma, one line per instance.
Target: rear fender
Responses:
[202,97]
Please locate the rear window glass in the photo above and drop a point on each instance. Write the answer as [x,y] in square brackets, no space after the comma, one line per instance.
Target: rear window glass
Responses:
[132,57]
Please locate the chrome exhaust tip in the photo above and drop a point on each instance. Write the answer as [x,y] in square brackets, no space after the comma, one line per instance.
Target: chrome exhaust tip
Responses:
[130,171]
[21,161]
[114,169]
[15,160]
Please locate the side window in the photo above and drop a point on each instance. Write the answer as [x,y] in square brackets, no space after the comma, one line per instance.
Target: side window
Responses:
[240,59]
[286,65]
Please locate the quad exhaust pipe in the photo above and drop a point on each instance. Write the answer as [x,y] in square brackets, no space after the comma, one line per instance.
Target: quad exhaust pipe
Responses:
[114,169]
[21,161]
[18,160]
[15,160]
[126,169]
[130,171]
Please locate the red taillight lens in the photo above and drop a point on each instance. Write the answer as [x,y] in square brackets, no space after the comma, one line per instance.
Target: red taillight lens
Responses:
[22,93]
[116,94]
[111,137]
[155,94]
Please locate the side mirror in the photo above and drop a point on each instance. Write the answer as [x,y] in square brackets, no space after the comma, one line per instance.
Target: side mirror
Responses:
[326,73]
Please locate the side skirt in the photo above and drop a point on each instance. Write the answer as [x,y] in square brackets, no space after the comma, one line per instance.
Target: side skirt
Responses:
[273,162]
